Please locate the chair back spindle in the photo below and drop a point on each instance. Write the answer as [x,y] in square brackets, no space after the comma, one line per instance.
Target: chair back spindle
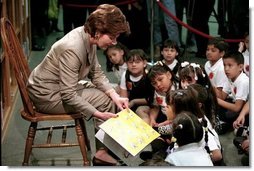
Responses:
[17,58]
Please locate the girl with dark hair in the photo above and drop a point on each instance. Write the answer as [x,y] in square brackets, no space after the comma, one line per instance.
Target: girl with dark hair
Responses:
[116,59]
[163,81]
[188,132]
[134,82]
[204,101]
[158,116]
[193,73]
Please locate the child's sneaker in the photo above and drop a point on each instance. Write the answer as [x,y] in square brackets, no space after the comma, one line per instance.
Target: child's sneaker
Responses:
[242,131]
[221,127]
[237,141]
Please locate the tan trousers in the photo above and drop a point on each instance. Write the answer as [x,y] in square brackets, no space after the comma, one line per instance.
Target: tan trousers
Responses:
[95,97]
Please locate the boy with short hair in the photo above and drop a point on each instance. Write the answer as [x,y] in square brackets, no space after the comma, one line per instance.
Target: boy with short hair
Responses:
[216,49]
[237,89]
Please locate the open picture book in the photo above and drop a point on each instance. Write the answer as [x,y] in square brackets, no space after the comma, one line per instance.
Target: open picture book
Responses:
[127,135]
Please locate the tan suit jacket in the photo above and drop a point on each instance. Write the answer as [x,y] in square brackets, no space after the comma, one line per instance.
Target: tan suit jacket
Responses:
[55,79]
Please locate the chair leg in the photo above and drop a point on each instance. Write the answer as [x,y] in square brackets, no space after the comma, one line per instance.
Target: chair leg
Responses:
[82,142]
[83,127]
[29,142]
[91,136]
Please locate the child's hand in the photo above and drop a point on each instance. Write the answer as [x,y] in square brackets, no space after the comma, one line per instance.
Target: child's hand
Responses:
[161,124]
[153,123]
[239,122]
[241,47]
[246,145]
[131,104]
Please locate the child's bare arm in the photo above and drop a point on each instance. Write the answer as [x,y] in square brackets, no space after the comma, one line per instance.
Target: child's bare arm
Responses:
[241,47]
[222,95]
[216,155]
[154,111]
[234,107]
[218,92]
[241,118]
[137,102]
[166,122]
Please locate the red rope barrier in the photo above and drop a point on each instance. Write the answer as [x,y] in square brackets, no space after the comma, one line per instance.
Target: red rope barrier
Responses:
[191,28]
[95,6]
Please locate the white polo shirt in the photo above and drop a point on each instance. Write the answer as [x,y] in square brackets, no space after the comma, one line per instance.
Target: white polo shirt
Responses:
[216,73]
[239,89]
[192,154]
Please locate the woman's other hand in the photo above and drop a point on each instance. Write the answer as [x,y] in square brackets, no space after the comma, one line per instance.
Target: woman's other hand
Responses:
[104,115]
[121,102]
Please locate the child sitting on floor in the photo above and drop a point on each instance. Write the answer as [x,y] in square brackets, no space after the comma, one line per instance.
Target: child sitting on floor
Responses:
[116,59]
[194,73]
[134,82]
[170,52]
[205,100]
[163,81]
[188,132]
[236,92]
[216,49]
[244,49]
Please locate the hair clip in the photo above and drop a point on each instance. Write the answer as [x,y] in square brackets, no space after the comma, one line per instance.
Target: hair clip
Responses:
[180,126]
[196,77]
[184,64]
[158,63]
[179,93]
[203,74]
[194,65]
[173,139]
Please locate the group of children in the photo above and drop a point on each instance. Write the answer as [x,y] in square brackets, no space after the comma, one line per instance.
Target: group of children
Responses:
[185,102]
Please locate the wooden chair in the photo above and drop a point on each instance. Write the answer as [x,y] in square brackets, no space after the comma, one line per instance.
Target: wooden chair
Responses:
[13,51]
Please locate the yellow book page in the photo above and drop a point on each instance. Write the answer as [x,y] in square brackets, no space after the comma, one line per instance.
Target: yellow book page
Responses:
[130,131]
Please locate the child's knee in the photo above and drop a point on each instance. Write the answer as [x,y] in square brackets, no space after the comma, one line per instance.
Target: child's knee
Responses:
[143,111]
